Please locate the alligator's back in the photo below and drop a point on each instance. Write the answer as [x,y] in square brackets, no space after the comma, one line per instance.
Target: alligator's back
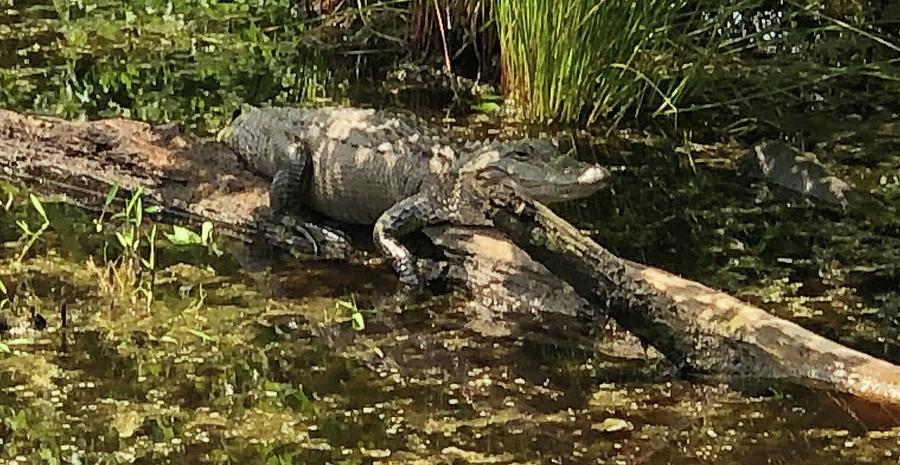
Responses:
[362,161]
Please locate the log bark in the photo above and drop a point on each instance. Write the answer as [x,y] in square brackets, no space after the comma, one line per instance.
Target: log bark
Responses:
[193,180]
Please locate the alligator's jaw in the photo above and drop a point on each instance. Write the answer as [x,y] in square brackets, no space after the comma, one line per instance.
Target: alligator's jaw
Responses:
[567,187]
[540,171]
[558,180]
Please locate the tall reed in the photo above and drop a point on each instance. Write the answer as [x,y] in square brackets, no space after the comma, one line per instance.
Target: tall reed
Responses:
[589,59]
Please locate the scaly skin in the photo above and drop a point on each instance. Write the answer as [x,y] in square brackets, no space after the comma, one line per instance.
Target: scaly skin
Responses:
[386,169]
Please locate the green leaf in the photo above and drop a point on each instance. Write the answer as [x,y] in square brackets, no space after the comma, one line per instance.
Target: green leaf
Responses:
[48,456]
[3,288]
[486,107]
[357,321]
[134,199]
[215,249]
[139,211]
[201,335]
[124,241]
[206,232]
[38,206]
[107,30]
[150,261]
[23,226]
[183,236]
[151,209]
[111,194]
[4,348]
[9,200]
[169,339]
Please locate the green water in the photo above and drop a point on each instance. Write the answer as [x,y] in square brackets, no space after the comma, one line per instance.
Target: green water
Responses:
[251,357]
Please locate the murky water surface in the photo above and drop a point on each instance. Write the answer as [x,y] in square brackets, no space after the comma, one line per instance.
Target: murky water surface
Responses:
[251,357]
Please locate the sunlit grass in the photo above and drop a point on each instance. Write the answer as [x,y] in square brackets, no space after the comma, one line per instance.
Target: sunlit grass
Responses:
[588,59]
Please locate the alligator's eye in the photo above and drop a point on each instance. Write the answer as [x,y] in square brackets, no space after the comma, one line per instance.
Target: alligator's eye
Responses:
[520,155]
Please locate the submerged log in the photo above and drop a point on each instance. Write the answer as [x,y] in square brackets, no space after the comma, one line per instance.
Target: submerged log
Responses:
[694,326]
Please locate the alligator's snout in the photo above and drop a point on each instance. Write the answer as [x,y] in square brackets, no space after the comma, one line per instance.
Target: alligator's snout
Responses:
[593,175]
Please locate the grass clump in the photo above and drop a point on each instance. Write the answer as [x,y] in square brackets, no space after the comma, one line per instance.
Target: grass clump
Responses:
[587,59]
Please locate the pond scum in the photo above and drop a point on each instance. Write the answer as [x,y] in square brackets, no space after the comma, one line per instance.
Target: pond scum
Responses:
[129,341]
[125,340]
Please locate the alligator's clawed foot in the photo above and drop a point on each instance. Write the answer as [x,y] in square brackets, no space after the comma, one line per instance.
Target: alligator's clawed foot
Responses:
[414,284]
[305,232]
[328,241]
[319,240]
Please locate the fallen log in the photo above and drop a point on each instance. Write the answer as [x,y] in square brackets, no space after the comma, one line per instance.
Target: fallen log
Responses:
[194,181]
[694,326]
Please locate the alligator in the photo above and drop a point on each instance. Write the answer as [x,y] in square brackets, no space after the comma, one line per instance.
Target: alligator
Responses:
[386,169]
[778,163]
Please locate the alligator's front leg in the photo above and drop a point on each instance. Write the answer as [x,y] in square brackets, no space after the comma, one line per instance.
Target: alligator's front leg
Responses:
[404,217]
[288,183]
[287,200]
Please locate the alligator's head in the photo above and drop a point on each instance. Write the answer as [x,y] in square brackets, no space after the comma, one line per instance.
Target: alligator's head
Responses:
[541,170]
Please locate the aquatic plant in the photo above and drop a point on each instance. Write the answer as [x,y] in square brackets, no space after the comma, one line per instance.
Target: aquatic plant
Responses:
[588,59]
[124,275]
[30,235]
[348,310]
[763,58]
[4,298]
[159,60]
[182,235]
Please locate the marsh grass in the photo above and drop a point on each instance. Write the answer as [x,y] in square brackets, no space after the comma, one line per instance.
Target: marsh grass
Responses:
[588,59]
[31,234]
[116,279]
[764,60]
